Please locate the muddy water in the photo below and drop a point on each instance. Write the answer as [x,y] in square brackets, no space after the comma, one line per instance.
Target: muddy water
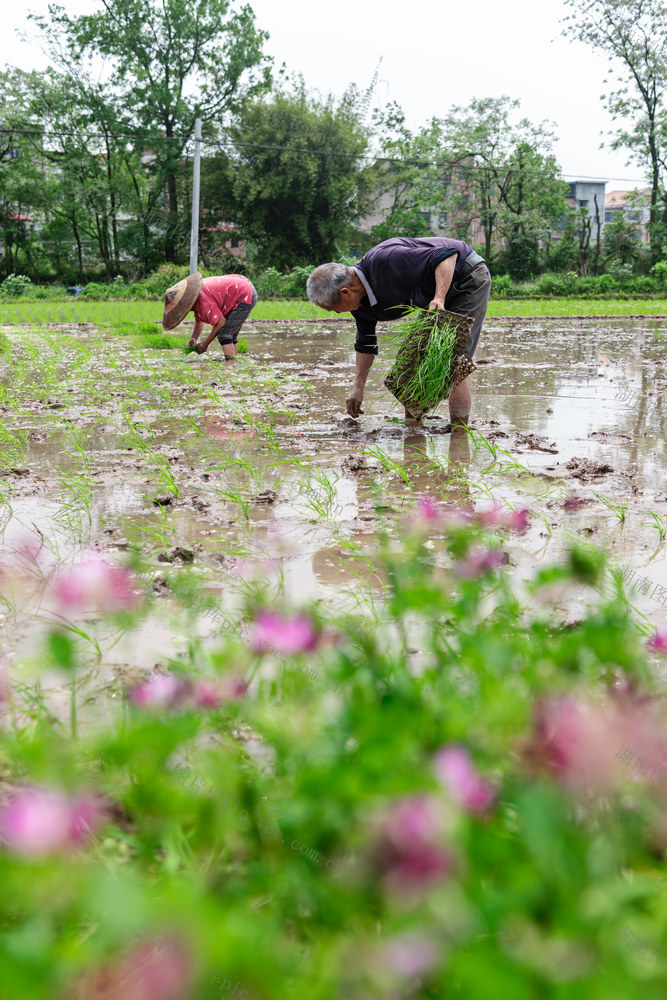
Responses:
[232,471]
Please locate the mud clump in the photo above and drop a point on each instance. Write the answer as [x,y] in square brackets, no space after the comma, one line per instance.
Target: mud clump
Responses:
[536,443]
[268,496]
[177,554]
[354,463]
[610,438]
[586,468]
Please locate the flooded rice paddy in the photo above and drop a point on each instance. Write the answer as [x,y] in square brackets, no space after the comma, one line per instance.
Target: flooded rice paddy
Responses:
[210,479]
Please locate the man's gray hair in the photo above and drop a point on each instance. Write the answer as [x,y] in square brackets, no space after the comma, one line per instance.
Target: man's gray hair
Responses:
[325,282]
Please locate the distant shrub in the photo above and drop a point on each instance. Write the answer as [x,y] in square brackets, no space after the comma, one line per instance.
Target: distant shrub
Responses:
[166,275]
[659,272]
[605,283]
[270,284]
[95,290]
[556,284]
[15,285]
[138,291]
[294,284]
[502,286]
[642,284]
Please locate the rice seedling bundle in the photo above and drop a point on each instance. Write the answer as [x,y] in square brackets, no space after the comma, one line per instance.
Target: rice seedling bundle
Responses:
[431,360]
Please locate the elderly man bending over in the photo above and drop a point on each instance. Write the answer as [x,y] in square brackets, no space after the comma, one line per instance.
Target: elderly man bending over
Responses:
[431,273]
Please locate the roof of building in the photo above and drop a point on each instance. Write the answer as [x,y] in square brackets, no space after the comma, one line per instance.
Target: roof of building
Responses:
[620,199]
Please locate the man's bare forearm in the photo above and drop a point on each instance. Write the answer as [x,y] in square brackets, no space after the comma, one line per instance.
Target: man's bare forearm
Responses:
[444,274]
[364,365]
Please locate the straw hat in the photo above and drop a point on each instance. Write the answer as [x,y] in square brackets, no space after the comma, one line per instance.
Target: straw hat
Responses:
[179,300]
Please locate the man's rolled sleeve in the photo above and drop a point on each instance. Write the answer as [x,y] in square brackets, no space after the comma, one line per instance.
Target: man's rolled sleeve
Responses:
[366,342]
[439,255]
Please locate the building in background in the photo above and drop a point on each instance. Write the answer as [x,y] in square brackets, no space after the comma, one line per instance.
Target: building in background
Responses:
[636,207]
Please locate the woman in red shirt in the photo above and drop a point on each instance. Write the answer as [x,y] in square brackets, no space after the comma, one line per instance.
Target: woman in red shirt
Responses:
[223,302]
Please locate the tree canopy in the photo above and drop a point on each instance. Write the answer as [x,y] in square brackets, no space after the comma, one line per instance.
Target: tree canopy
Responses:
[633,34]
[169,63]
[295,174]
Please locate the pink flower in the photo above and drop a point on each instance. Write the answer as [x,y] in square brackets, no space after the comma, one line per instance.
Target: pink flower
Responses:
[454,769]
[409,954]
[93,585]
[572,503]
[408,845]
[516,520]
[85,818]
[160,691]
[502,517]
[480,560]
[158,970]
[588,743]
[36,821]
[213,693]
[29,548]
[429,509]
[283,635]
[658,642]
[429,514]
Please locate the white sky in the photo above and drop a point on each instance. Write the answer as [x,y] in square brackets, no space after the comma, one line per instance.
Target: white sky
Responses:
[434,54]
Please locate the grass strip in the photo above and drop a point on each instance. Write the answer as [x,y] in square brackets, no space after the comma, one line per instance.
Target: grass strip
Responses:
[113,313]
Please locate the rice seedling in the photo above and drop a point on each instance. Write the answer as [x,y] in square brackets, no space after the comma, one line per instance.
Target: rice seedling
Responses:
[163,472]
[657,522]
[617,507]
[235,497]
[388,464]
[422,374]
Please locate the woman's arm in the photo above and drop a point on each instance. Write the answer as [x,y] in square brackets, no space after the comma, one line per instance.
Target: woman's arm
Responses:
[203,347]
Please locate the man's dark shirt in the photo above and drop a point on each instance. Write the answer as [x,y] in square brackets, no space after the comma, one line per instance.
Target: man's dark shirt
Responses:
[401,272]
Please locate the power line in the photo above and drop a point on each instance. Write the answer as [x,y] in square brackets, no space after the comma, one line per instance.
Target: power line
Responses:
[219,144]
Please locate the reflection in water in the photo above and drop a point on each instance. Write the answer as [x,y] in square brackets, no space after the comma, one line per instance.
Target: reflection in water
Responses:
[427,477]
[218,428]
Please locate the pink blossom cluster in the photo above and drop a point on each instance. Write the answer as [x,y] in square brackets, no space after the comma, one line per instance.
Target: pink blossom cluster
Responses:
[408,849]
[38,821]
[93,584]
[157,970]
[430,514]
[479,560]
[577,739]
[273,632]
[454,769]
[410,840]
[658,642]
[166,691]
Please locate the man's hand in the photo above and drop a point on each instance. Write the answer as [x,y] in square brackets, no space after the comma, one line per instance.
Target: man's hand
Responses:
[436,303]
[202,348]
[354,401]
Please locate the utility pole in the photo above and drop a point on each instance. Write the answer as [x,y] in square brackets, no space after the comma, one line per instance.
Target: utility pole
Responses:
[194,230]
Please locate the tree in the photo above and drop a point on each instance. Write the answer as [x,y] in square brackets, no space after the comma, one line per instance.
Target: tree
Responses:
[294,180]
[22,184]
[478,168]
[171,62]
[409,177]
[505,175]
[633,33]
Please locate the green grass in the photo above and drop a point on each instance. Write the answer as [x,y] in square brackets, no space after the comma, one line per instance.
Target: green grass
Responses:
[577,307]
[124,311]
